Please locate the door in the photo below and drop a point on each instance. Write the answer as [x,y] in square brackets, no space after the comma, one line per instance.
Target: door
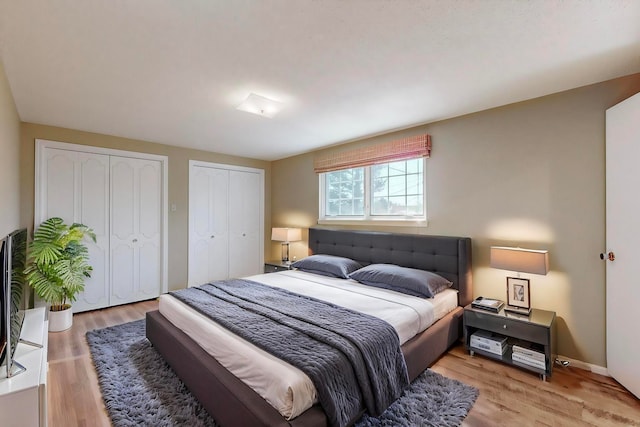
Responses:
[136,193]
[244,224]
[76,183]
[93,174]
[208,225]
[75,187]
[226,221]
[623,234]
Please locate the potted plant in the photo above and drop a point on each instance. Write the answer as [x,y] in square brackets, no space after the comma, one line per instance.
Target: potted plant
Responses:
[58,266]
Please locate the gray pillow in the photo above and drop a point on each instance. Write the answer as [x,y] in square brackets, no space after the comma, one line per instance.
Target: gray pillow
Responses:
[410,281]
[327,265]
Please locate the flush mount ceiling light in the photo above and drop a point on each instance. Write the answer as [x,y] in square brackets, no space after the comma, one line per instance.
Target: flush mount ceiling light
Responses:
[260,105]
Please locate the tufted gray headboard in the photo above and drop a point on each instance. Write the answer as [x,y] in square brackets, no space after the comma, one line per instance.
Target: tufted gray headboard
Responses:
[447,256]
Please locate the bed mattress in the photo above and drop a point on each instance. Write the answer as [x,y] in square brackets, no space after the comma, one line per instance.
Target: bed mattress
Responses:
[285,387]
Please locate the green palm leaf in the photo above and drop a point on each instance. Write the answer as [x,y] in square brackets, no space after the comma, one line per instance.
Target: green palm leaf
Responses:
[58,260]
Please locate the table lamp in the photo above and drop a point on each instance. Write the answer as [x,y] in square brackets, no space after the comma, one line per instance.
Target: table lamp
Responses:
[286,235]
[519,260]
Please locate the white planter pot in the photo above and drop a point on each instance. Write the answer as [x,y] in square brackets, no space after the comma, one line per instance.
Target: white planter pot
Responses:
[60,320]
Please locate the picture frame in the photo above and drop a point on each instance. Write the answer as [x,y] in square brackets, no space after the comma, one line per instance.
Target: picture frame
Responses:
[518,292]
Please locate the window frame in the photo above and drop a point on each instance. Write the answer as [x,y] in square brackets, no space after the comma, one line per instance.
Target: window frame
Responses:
[368,218]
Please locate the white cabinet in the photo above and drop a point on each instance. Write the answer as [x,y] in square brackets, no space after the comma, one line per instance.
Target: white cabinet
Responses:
[226,222]
[23,397]
[122,196]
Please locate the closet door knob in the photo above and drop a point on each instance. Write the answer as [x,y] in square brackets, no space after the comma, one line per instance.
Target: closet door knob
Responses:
[134,240]
[610,256]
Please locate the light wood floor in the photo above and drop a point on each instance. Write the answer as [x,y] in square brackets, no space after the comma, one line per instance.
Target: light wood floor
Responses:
[508,396]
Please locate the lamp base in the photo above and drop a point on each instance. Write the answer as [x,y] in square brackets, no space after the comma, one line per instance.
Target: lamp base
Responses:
[518,310]
[285,252]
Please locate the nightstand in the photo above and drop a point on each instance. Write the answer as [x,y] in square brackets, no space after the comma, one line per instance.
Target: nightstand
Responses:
[273,266]
[538,328]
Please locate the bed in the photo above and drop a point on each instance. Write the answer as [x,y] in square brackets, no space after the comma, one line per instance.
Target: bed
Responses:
[232,403]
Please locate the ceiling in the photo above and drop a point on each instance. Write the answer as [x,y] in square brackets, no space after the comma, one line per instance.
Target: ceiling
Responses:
[173,71]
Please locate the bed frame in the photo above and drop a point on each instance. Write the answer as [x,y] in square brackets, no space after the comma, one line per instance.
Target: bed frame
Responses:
[232,403]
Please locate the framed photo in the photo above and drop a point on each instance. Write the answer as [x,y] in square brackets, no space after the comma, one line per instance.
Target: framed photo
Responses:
[518,292]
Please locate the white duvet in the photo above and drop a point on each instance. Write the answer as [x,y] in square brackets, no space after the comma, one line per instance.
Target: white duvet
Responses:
[284,386]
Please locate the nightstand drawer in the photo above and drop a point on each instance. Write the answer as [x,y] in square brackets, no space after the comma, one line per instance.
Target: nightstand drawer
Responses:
[268,268]
[506,326]
[275,266]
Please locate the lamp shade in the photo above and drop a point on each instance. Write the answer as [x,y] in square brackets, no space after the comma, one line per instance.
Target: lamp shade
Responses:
[520,260]
[286,234]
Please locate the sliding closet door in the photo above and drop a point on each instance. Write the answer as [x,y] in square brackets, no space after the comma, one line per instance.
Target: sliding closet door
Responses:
[75,187]
[136,192]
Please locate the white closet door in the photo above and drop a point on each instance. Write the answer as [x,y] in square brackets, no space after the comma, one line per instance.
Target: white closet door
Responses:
[226,221]
[93,174]
[150,228]
[622,151]
[136,186]
[217,253]
[58,186]
[208,224]
[75,187]
[103,188]
[245,237]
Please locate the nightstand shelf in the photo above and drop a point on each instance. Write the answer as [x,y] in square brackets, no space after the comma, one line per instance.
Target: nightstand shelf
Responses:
[538,328]
[274,266]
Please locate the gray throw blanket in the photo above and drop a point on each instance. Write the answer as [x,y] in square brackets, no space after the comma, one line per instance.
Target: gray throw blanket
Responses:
[353,359]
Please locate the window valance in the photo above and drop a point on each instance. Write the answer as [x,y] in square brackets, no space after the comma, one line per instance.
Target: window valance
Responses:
[401,149]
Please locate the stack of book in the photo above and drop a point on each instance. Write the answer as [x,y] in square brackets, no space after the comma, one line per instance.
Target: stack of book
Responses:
[529,356]
[489,342]
[494,305]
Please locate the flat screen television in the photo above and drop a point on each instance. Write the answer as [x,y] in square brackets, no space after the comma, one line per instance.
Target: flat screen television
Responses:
[13,257]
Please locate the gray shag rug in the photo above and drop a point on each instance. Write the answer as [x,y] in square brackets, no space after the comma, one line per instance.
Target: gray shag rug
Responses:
[139,388]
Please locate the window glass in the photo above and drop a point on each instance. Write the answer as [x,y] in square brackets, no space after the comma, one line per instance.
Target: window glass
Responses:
[387,191]
[344,192]
[397,189]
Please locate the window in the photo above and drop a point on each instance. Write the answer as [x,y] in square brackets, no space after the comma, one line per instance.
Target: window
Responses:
[345,193]
[388,191]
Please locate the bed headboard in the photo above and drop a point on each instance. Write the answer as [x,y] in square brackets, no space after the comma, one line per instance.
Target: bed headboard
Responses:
[447,256]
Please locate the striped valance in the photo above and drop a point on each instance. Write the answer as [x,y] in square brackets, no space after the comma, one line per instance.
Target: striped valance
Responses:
[402,149]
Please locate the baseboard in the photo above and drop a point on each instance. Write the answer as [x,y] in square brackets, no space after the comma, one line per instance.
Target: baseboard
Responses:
[596,369]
